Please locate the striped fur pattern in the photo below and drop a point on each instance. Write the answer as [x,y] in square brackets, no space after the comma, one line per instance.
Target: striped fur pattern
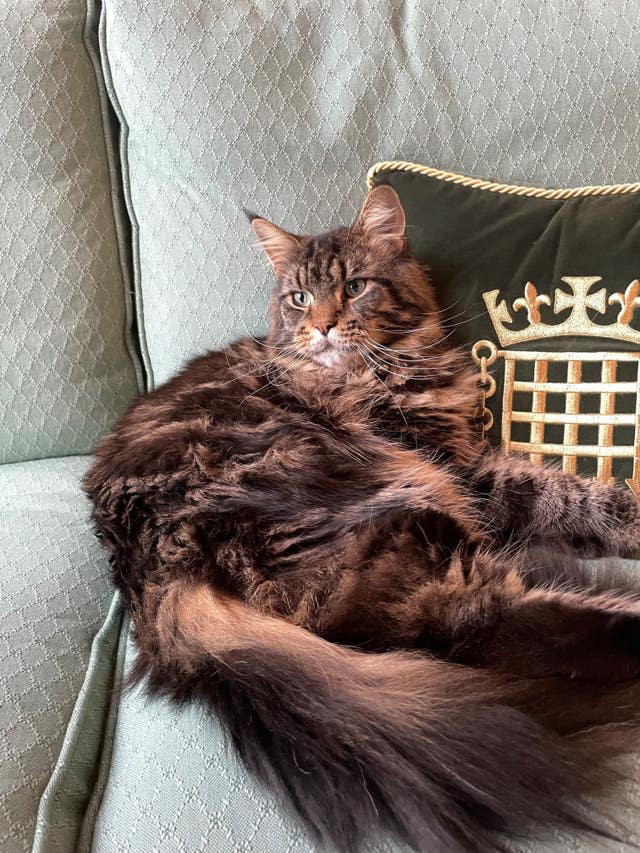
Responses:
[314,540]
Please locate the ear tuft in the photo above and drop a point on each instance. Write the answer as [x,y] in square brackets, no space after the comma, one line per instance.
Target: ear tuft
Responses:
[280,246]
[382,216]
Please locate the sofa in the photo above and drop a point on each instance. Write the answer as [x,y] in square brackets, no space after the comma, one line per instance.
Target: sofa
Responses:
[132,134]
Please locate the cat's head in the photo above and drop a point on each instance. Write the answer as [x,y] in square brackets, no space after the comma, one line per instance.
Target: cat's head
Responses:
[344,297]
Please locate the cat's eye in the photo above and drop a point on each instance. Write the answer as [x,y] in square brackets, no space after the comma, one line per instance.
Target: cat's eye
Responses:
[301,298]
[355,288]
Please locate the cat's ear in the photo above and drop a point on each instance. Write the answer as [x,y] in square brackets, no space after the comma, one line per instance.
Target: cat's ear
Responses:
[280,246]
[382,216]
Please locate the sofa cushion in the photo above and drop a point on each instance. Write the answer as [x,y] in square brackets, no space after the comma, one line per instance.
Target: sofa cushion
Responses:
[54,594]
[545,284]
[66,367]
[282,107]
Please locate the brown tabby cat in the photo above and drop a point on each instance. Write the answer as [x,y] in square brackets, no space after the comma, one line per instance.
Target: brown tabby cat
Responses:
[312,538]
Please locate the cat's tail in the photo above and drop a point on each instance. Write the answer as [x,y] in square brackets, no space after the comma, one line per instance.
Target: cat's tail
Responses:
[442,756]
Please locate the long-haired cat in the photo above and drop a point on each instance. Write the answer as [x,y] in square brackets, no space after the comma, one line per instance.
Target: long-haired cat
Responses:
[314,540]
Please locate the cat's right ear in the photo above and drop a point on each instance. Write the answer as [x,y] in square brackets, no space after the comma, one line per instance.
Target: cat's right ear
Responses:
[382,217]
[281,247]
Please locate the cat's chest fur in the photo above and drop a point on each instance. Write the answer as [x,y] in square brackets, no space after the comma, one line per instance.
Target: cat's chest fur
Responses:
[436,414]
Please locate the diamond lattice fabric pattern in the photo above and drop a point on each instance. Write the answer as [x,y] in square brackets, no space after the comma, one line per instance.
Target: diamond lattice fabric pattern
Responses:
[54,593]
[65,369]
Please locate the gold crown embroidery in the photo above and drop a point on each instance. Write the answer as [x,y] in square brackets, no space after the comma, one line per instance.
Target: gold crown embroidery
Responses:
[577,323]
[609,387]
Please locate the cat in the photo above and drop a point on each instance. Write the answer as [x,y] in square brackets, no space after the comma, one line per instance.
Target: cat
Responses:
[314,539]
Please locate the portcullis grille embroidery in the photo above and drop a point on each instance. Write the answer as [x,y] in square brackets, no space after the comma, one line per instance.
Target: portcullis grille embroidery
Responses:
[546,391]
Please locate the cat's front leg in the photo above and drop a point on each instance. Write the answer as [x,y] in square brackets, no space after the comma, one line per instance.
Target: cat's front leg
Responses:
[476,609]
[524,502]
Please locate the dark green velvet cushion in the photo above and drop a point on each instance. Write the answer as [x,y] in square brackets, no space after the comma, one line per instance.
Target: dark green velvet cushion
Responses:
[484,245]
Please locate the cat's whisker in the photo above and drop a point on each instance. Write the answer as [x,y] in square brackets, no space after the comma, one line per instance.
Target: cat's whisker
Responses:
[404,357]
[384,368]
[451,305]
[437,316]
[447,323]
[414,350]
[288,358]
[398,331]
[239,376]
[267,345]
[414,368]
[387,367]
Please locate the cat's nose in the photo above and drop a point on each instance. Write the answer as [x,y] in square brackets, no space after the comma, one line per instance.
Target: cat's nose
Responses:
[323,327]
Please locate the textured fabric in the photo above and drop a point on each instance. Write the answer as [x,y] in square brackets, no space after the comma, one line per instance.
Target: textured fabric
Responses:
[54,594]
[68,805]
[281,107]
[478,243]
[65,368]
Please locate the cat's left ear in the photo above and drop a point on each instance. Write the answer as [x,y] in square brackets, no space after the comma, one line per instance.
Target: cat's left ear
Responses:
[382,217]
[280,246]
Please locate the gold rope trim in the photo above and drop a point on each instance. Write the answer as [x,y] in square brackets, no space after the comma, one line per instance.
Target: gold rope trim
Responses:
[507,189]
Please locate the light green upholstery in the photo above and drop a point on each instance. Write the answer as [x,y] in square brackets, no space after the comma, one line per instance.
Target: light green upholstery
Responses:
[54,595]
[66,369]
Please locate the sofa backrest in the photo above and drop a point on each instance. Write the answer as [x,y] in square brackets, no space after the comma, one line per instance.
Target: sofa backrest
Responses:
[275,106]
[282,107]
[66,365]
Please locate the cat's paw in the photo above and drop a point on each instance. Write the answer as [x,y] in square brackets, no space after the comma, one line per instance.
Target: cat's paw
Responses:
[627,525]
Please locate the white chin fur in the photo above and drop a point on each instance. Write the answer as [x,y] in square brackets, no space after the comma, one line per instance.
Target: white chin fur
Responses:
[329,357]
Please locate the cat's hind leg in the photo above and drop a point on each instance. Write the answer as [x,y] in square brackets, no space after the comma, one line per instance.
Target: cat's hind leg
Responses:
[552,630]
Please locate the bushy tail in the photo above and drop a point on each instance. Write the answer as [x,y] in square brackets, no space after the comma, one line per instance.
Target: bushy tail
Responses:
[444,757]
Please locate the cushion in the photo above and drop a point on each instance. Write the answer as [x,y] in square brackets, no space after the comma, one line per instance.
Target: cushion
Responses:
[54,595]
[545,286]
[66,367]
[281,107]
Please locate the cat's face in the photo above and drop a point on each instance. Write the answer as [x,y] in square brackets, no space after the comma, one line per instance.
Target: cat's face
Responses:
[344,295]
